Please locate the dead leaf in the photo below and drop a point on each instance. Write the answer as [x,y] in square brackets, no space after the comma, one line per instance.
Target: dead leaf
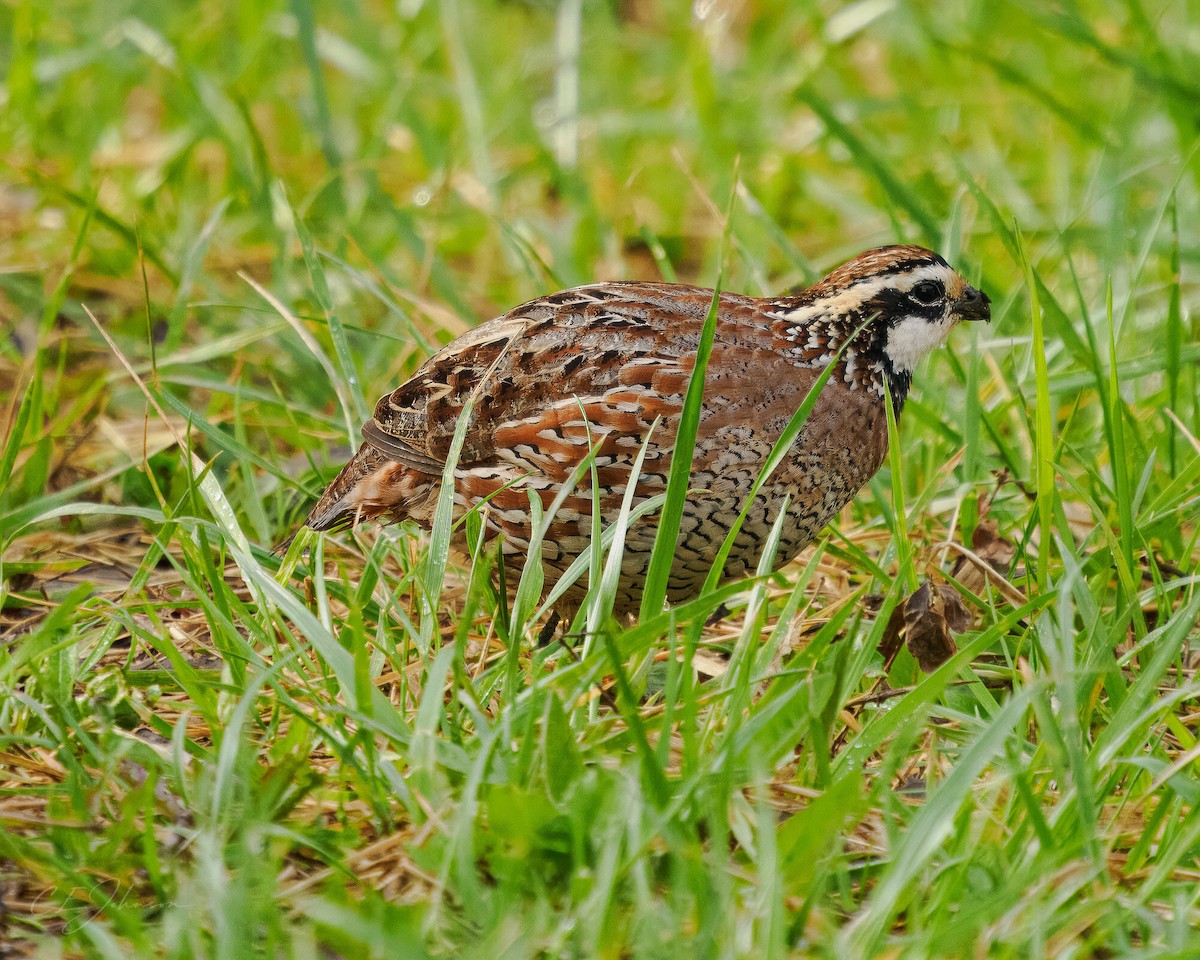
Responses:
[926,629]
[927,621]
[987,562]
[958,617]
[989,545]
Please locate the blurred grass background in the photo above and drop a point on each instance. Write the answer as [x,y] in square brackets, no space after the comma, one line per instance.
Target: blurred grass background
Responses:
[276,210]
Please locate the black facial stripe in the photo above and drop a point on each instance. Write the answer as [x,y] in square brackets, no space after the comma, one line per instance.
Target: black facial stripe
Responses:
[894,305]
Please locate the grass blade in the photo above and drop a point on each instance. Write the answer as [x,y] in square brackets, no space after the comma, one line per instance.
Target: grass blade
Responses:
[662,557]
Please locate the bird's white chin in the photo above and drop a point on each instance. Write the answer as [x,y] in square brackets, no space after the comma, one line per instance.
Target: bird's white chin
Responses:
[912,339]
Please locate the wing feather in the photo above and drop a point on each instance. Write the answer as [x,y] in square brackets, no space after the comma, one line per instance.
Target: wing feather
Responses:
[398,450]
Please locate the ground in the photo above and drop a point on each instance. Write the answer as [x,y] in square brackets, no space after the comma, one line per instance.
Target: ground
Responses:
[228,228]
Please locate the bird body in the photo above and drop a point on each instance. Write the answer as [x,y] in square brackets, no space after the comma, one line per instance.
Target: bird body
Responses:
[607,366]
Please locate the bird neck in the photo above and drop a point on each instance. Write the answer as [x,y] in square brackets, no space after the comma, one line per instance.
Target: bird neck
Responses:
[818,332]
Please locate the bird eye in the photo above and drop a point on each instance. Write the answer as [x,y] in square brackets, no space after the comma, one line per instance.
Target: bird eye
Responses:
[928,292]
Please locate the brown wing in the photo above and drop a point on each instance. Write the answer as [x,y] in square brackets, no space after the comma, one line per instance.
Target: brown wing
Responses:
[611,357]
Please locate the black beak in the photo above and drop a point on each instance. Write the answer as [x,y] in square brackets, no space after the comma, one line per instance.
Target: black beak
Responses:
[975,305]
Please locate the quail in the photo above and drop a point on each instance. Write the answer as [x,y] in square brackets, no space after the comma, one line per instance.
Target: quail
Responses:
[607,366]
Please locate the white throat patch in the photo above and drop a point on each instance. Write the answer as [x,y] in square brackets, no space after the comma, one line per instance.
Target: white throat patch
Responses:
[911,340]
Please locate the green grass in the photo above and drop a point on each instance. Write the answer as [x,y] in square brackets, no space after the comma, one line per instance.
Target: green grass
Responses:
[276,211]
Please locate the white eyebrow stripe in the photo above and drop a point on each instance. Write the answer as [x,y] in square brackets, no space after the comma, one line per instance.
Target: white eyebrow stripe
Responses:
[849,298]
[910,278]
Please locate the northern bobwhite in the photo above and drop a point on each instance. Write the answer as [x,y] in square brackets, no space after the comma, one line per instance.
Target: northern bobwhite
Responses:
[621,355]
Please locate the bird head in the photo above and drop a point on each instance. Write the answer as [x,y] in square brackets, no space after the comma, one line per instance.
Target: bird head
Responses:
[893,304]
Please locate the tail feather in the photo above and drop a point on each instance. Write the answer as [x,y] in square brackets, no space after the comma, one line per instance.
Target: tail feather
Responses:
[343,501]
[374,485]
